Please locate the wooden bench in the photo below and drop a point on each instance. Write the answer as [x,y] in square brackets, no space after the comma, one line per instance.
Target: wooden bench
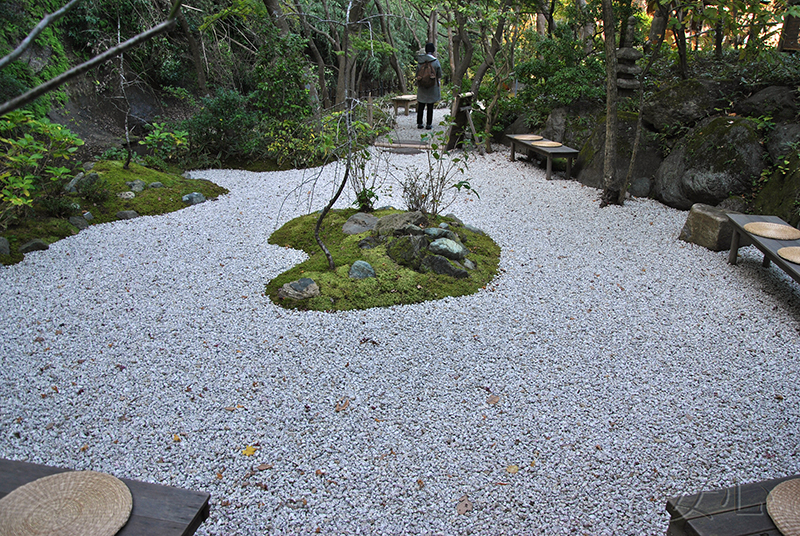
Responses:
[157,509]
[767,246]
[562,151]
[736,511]
[404,100]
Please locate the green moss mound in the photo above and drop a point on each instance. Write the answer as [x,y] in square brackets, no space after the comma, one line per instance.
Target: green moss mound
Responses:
[150,202]
[393,284]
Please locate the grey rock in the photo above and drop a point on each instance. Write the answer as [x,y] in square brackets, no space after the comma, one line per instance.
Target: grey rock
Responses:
[88,166]
[733,204]
[72,186]
[410,229]
[34,245]
[455,219]
[443,266]
[707,226]
[361,270]
[438,232]
[299,290]
[5,247]
[79,222]
[781,138]
[407,250]
[633,70]
[590,162]
[369,242]
[194,198]
[641,187]
[126,195]
[776,101]
[156,184]
[88,216]
[628,83]
[628,54]
[444,225]
[473,229]
[136,186]
[681,104]
[187,175]
[448,248]
[469,264]
[358,223]
[389,225]
[717,159]
[555,127]
[127,214]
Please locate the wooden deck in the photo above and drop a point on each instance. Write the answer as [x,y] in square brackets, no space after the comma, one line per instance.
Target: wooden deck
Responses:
[735,511]
[767,246]
[548,152]
[157,509]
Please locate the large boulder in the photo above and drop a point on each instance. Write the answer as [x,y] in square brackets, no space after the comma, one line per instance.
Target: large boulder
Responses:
[648,158]
[781,139]
[778,102]
[681,104]
[780,196]
[301,289]
[408,250]
[708,226]
[393,223]
[719,158]
[358,223]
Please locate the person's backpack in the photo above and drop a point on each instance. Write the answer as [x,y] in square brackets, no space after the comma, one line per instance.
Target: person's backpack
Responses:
[426,75]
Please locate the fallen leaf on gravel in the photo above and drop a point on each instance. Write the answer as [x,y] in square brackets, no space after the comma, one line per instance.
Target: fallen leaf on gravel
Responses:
[494,399]
[420,483]
[176,437]
[512,469]
[264,466]
[230,408]
[342,404]
[219,476]
[464,505]
[249,450]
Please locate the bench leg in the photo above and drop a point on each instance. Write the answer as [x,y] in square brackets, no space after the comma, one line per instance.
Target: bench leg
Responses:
[512,152]
[734,247]
[569,167]
[549,167]
[765,262]
[407,107]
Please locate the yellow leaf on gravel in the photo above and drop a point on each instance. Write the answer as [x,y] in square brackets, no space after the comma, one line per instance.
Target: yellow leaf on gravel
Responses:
[176,437]
[249,450]
[512,469]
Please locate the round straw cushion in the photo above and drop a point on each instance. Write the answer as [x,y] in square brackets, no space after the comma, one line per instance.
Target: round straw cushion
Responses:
[783,506]
[791,254]
[776,231]
[528,137]
[79,503]
[546,143]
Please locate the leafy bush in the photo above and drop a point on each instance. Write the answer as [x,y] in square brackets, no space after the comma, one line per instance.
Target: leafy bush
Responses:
[224,126]
[32,154]
[166,145]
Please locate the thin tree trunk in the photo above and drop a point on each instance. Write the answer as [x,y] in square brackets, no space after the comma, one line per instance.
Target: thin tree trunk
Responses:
[195,50]
[387,33]
[635,152]
[611,190]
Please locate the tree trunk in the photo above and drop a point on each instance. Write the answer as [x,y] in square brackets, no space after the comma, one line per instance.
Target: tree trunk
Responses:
[195,50]
[611,189]
[387,33]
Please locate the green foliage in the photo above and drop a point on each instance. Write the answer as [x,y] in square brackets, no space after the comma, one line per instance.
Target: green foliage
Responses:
[429,190]
[32,157]
[558,72]
[223,127]
[281,92]
[94,189]
[166,145]
[393,284]
[365,200]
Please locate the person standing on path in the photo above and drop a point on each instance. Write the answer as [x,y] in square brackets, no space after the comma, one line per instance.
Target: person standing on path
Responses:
[428,96]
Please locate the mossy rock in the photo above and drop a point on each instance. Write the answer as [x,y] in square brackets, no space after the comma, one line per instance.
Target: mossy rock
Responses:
[780,196]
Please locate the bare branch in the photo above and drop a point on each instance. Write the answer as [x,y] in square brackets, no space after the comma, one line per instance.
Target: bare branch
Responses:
[28,41]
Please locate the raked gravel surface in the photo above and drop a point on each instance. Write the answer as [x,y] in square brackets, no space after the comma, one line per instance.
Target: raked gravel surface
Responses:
[628,367]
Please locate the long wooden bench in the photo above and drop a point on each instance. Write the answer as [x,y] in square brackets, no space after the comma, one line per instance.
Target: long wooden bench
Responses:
[735,511]
[157,509]
[404,100]
[767,246]
[562,151]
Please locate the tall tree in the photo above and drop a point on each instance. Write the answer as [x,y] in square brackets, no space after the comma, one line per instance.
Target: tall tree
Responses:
[611,188]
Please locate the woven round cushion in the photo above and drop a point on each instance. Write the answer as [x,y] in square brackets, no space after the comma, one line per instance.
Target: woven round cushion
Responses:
[546,143]
[776,231]
[783,506]
[528,137]
[79,503]
[791,254]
